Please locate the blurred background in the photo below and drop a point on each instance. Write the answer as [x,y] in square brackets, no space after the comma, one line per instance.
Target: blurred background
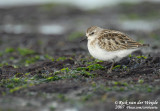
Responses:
[46,21]
[33,32]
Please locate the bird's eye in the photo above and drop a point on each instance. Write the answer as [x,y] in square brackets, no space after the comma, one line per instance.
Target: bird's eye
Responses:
[92,33]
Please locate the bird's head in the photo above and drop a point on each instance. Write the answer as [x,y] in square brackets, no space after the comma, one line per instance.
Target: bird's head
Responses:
[92,32]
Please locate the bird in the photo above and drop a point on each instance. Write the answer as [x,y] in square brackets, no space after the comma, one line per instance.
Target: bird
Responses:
[110,45]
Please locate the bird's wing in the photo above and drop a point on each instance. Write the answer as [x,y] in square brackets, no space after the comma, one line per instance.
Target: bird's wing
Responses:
[111,40]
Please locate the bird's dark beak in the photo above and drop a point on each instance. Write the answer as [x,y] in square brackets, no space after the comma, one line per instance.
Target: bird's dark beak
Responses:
[83,39]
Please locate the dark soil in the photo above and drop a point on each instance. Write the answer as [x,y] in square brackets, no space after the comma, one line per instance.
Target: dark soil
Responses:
[55,72]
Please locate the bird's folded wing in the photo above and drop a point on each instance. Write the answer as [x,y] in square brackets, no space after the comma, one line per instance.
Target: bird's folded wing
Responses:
[111,40]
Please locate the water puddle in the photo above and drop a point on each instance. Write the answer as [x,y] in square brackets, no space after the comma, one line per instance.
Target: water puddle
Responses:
[15,28]
[51,29]
[23,28]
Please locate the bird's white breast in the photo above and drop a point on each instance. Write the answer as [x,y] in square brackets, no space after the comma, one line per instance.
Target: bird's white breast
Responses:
[104,55]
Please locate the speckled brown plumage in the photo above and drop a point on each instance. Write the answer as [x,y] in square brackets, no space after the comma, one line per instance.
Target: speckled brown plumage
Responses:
[111,40]
[90,29]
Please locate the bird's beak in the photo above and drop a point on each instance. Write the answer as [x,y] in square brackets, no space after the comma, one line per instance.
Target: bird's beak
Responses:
[83,39]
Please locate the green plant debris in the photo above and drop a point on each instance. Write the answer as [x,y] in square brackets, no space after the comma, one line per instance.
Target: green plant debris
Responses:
[49,57]
[17,88]
[14,84]
[9,50]
[141,81]
[141,41]
[81,68]
[87,74]
[32,60]
[3,64]
[124,86]
[115,67]
[86,97]
[53,78]
[25,51]
[66,70]
[130,55]
[120,83]
[61,58]
[11,58]
[26,74]
[141,57]
[96,60]
[108,89]
[57,72]
[24,57]
[72,75]
[124,66]
[95,67]
[149,89]
[75,35]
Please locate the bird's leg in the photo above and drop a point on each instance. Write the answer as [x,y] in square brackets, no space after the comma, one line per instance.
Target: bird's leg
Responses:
[110,70]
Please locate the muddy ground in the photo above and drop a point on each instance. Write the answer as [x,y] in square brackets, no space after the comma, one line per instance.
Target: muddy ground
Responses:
[42,71]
